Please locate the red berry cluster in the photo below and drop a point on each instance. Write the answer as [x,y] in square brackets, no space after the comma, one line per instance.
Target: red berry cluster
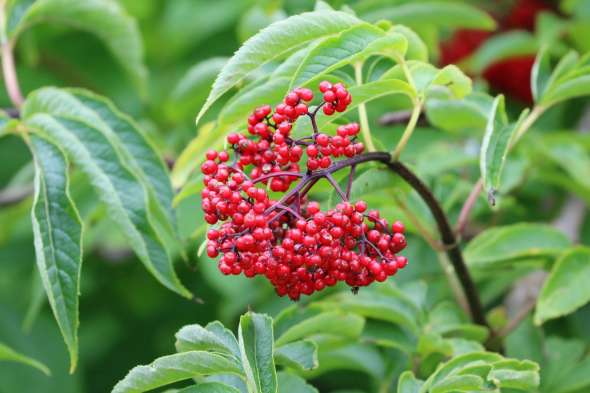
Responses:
[299,248]
[336,97]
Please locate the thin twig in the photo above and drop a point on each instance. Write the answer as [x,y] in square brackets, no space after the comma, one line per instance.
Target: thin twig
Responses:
[363,118]
[8,68]
[449,240]
[14,195]
[467,207]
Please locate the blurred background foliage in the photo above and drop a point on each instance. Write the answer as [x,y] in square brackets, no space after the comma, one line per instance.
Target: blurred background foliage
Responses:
[127,318]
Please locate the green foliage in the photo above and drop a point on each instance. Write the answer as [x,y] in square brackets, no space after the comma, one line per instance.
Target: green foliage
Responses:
[86,176]
[564,291]
[8,354]
[214,350]
[58,238]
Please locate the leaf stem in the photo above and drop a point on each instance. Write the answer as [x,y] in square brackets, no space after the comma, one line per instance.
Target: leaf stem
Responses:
[363,118]
[410,127]
[468,206]
[536,112]
[8,67]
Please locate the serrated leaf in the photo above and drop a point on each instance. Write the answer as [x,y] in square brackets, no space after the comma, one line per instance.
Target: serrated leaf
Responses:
[8,354]
[515,374]
[255,336]
[434,13]
[106,19]
[458,383]
[353,44]
[408,383]
[57,230]
[457,365]
[496,143]
[173,368]
[142,155]
[197,338]
[565,290]
[333,322]
[273,42]
[104,146]
[301,355]
[497,247]
[291,383]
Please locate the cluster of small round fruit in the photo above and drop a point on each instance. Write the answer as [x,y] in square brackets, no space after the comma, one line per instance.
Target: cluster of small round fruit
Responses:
[299,248]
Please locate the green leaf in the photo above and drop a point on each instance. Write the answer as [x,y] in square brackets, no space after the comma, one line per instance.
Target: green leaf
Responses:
[142,155]
[408,383]
[458,383]
[568,80]
[300,355]
[291,383]
[496,143]
[173,368]
[10,355]
[197,338]
[568,152]
[355,357]
[434,13]
[457,366]
[448,320]
[209,387]
[540,74]
[417,49]
[388,335]
[122,166]
[272,43]
[57,229]
[500,47]
[225,335]
[191,90]
[353,44]
[333,322]
[106,19]
[469,114]
[255,335]
[565,289]
[515,374]
[371,304]
[452,78]
[497,247]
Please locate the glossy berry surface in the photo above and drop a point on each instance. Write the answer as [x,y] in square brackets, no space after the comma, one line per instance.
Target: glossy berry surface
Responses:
[288,238]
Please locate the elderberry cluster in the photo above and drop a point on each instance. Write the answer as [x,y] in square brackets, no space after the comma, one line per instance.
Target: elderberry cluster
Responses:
[298,247]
